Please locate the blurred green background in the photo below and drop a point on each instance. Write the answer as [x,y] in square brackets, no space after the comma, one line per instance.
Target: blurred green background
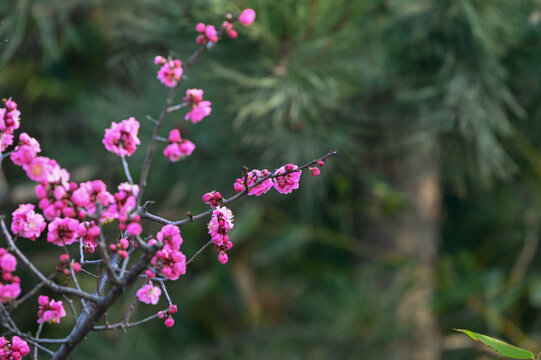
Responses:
[427,220]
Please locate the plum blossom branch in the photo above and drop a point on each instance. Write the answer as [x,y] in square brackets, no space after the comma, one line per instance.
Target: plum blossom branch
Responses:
[161,119]
[145,214]
[58,288]
[122,325]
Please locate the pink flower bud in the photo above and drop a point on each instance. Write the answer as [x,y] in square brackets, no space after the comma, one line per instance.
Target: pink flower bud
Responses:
[200,27]
[314,171]
[173,309]
[161,314]
[247,17]
[169,322]
[76,266]
[159,60]
[134,229]
[64,258]
[123,243]
[320,163]
[222,257]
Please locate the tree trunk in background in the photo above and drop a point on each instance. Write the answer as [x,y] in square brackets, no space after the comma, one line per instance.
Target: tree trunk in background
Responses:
[414,233]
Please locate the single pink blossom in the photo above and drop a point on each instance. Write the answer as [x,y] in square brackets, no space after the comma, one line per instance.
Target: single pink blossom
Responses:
[26,223]
[170,236]
[62,231]
[149,294]
[26,150]
[8,262]
[199,111]
[222,257]
[178,148]
[121,138]
[9,291]
[50,310]
[247,17]
[170,72]
[169,322]
[314,171]
[285,184]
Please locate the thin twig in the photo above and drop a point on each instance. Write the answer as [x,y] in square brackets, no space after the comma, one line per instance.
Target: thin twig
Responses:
[198,252]
[74,312]
[38,333]
[126,169]
[29,294]
[162,283]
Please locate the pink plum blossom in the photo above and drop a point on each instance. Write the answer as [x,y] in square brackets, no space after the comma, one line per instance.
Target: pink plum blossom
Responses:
[178,148]
[254,176]
[121,138]
[213,198]
[169,322]
[198,108]
[9,291]
[287,183]
[26,150]
[199,112]
[170,236]
[50,310]
[247,17]
[26,223]
[62,231]
[8,262]
[149,294]
[14,349]
[171,263]
[170,71]
[207,33]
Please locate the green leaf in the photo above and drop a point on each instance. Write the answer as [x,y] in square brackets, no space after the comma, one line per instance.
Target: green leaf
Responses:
[499,346]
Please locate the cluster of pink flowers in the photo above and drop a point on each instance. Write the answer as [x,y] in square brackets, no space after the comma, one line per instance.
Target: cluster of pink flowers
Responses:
[167,314]
[213,198]
[170,71]
[178,147]
[149,294]
[10,286]
[27,223]
[121,138]
[88,234]
[91,192]
[125,202]
[9,122]
[14,349]
[207,33]
[169,260]
[253,177]
[245,18]
[121,248]
[199,109]
[50,310]
[171,263]
[219,225]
